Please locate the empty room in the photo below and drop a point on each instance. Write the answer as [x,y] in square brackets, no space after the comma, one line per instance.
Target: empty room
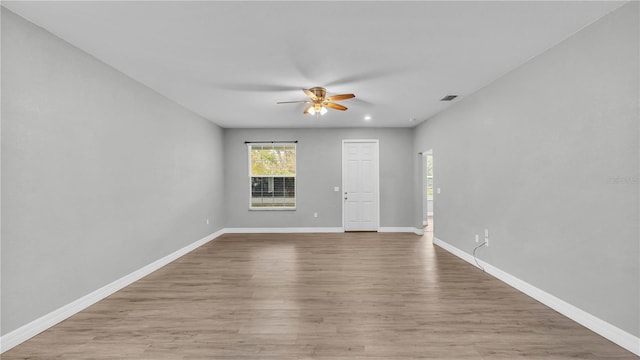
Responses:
[320,180]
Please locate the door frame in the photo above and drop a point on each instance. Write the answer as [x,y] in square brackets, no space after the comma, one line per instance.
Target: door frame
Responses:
[377,177]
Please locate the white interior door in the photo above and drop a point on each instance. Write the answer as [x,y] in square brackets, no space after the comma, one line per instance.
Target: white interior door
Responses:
[360,185]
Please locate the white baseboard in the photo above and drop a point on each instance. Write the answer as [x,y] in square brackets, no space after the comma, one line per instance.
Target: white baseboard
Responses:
[387,229]
[597,325]
[283,230]
[287,230]
[41,324]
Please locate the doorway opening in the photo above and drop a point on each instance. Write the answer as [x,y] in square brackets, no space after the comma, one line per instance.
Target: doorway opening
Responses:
[427,191]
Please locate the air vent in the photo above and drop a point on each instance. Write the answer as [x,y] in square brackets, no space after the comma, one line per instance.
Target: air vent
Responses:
[449,97]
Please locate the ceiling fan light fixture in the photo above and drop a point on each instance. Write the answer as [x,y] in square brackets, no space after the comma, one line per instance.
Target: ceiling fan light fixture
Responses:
[317,109]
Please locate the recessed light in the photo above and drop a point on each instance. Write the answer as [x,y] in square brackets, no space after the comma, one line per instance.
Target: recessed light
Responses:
[367,118]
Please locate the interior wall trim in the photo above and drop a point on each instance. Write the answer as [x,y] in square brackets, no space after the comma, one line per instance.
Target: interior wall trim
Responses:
[25,332]
[414,230]
[595,324]
[285,230]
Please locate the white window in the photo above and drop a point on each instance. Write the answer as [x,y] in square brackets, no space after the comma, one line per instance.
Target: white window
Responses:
[272,174]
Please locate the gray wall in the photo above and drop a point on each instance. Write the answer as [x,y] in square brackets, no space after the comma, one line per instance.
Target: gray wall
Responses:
[319,169]
[100,175]
[547,158]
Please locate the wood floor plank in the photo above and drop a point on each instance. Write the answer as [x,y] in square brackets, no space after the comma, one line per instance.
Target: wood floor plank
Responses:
[318,296]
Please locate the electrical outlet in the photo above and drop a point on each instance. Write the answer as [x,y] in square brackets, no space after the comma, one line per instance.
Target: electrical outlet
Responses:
[207,221]
[486,237]
[477,238]
[315,214]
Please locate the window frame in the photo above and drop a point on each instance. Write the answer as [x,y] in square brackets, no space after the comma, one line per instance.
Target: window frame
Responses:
[250,146]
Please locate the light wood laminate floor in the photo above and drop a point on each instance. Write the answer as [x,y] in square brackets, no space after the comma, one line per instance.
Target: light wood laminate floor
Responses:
[318,296]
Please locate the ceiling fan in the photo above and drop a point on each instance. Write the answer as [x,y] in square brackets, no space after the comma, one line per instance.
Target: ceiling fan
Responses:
[319,102]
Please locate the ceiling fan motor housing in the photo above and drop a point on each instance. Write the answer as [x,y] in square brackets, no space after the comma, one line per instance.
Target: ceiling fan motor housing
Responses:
[319,92]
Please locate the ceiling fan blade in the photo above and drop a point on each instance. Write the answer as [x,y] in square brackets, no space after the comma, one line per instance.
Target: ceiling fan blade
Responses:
[355,78]
[340,97]
[306,111]
[294,102]
[361,101]
[310,94]
[335,106]
[374,74]
[303,62]
[255,87]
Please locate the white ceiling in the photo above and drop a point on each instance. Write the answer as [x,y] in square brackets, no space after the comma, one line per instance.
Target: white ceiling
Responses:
[231,61]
